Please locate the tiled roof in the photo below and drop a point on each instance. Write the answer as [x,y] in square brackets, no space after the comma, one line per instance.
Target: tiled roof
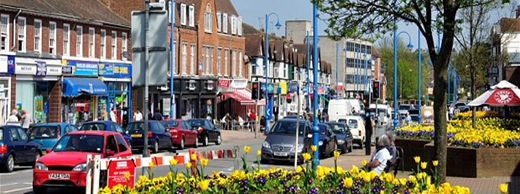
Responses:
[510,24]
[280,49]
[375,52]
[301,60]
[87,10]
[288,56]
[248,29]
[254,42]
[225,6]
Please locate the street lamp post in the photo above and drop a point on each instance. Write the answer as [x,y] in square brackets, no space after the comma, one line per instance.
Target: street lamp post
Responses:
[337,55]
[396,112]
[357,69]
[449,89]
[419,93]
[315,129]
[266,62]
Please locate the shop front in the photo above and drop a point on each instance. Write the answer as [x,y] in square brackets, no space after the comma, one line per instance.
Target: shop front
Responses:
[195,97]
[235,98]
[36,80]
[117,78]
[7,68]
[84,95]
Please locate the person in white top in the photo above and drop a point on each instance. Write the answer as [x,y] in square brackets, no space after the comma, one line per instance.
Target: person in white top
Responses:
[113,115]
[382,155]
[26,120]
[13,117]
[138,116]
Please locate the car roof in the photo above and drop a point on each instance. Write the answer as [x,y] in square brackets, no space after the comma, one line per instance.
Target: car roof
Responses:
[50,124]
[92,132]
[335,123]
[99,122]
[169,120]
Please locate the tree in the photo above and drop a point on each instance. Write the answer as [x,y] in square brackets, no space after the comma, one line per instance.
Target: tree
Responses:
[473,75]
[358,17]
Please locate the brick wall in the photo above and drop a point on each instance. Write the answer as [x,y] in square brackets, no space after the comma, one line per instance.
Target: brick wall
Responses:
[411,148]
[13,92]
[55,102]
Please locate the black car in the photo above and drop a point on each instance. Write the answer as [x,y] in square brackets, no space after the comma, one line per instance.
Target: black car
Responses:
[17,148]
[158,136]
[279,145]
[343,135]
[207,133]
[327,140]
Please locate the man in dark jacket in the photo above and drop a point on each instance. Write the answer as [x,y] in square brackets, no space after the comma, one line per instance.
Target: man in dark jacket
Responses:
[368,132]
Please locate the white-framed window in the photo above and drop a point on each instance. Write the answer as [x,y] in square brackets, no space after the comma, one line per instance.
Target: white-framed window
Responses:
[113,49]
[183,14]
[240,64]
[170,11]
[37,35]
[207,60]
[219,22]
[234,63]
[66,39]
[52,38]
[79,41]
[240,25]
[207,19]
[102,44]
[192,59]
[184,62]
[124,46]
[233,25]
[219,61]
[91,42]
[203,59]
[224,23]
[4,32]
[191,16]
[211,50]
[22,34]
[226,64]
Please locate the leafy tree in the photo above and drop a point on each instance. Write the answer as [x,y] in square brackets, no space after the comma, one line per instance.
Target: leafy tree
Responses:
[358,17]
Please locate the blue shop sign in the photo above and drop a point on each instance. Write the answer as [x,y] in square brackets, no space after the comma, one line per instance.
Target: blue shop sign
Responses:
[7,65]
[85,68]
[115,70]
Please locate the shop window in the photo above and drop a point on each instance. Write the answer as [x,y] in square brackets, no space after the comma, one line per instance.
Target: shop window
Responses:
[36,95]
[21,34]
[5,100]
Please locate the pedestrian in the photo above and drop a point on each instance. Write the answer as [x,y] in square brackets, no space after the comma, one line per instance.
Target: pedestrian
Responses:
[381,156]
[113,115]
[13,117]
[408,118]
[26,120]
[227,119]
[157,116]
[137,115]
[368,132]
[262,124]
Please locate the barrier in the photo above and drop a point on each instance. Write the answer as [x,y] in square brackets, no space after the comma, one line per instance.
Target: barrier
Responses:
[96,164]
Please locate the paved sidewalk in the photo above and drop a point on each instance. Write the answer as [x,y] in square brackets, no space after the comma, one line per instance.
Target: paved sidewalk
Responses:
[239,135]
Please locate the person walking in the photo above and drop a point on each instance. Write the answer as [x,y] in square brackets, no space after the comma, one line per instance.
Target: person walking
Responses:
[138,116]
[26,120]
[113,115]
[252,120]
[408,118]
[13,117]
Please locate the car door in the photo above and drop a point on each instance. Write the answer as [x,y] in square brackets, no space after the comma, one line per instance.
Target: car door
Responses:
[212,133]
[192,131]
[164,136]
[331,135]
[30,149]
[111,145]
[18,145]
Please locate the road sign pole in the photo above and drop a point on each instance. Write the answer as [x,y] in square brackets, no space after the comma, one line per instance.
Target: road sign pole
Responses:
[145,107]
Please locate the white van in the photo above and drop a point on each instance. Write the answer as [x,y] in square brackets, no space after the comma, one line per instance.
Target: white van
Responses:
[339,108]
[356,124]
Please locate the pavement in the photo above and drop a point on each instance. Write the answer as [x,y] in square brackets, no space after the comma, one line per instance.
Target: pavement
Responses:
[488,185]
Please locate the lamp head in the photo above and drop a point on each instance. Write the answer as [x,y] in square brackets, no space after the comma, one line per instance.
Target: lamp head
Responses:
[410,45]
[278,25]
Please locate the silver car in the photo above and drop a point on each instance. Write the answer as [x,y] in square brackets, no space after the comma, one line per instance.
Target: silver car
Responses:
[279,145]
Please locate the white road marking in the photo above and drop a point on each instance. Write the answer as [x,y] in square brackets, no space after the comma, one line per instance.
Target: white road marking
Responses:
[20,189]
[8,184]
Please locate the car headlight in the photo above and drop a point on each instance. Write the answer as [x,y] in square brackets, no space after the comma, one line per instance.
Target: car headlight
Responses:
[80,167]
[40,166]
[341,141]
[266,145]
[320,143]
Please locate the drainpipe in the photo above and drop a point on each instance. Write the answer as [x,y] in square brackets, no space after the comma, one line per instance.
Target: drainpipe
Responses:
[14,28]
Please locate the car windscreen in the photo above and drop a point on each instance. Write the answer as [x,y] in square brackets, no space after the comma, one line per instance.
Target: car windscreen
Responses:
[80,142]
[170,123]
[135,126]
[93,127]
[44,132]
[287,128]
[415,117]
[323,129]
[337,128]
[198,123]
[352,123]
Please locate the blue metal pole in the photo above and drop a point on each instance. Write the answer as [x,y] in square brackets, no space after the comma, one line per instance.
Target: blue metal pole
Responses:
[337,60]
[172,100]
[308,73]
[357,69]
[266,57]
[396,113]
[365,83]
[315,128]
[108,102]
[420,73]
[454,85]
[129,102]
[448,97]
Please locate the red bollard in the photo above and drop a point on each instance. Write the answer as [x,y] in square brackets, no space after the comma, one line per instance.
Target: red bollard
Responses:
[193,162]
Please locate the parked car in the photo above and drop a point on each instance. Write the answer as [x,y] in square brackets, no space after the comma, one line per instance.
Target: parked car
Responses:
[65,165]
[182,133]
[279,145]
[403,108]
[47,134]
[356,124]
[158,136]
[343,136]
[327,140]
[107,126]
[16,148]
[207,131]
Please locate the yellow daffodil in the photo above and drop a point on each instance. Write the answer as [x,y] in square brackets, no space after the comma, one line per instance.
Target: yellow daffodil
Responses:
[412,178]
[364,162]
[336,154]
[435,162]
[246,149]
[417,159]
[403,181]
[150,164]
[314,148]
[259,152]
[424,165]
[503,188]
[173,162]
[347,182]
[188,165]
[204,185]
[127,175]
[193,157]
[204,162]
[306,156]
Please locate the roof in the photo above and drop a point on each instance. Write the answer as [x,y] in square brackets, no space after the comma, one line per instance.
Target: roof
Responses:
[49,124]
[104,122]
[86,10]
[375,52]
[225,6]
[509,24]
[279,47]
[248,29]
[253,44]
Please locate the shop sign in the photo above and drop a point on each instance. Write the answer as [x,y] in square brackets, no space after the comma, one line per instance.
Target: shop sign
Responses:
[54,70]
[25,69]
[7,64]
[115,70]
[223,83]
[41,68]
[283,87]
[239,83]
[66,70]
[86,68]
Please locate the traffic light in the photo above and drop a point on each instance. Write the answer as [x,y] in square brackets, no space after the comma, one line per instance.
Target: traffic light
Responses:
[255,91]
[289,99]
[375,89]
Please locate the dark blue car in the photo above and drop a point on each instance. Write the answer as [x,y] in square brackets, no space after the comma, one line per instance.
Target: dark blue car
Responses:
[47,134]
[107,126]
[158,136]
[16,148]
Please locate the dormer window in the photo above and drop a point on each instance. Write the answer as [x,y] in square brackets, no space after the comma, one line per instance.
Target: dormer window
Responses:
[183,14]
[207,19]
[240,25]
[191,16]
[219,22]
[224,24]
[233,25]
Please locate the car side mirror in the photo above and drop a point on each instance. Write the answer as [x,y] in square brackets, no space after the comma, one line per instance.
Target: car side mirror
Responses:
[110,153]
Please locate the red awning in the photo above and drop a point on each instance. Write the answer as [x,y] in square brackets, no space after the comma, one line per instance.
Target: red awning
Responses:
[243,96]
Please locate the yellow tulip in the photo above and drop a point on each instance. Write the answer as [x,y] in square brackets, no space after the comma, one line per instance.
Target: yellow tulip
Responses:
[259,152]
[127,175]
[417,159]
[435,162]
[150,164]
[173,162]
[204,162]
[247,149]
[389,177]
[412,178]
[306,156]
[364,162]
[424,165]
[366,178]
[336,154]
[193,157]
[347,182]
[204,185]
[354,169]
[188,165]
[503,188]
[299,169]
[314,148]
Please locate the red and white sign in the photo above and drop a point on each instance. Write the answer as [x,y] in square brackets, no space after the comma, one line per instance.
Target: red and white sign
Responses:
[117,170]
[223,83]
[503,97]
[239,83]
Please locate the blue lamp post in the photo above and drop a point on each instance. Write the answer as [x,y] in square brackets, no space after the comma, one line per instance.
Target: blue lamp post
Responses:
[454,85]
[315,129]
[449,86]
[357,69]
[419,93]
[396,112]
[337,59]
[172,100]
[266,62]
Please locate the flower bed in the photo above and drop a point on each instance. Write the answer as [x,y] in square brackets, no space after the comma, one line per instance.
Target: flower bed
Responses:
[277,180]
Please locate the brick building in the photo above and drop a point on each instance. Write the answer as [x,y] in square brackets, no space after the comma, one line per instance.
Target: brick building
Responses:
[60,56]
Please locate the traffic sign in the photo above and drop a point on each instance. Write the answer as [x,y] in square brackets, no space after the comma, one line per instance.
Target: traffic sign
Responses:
[117,170]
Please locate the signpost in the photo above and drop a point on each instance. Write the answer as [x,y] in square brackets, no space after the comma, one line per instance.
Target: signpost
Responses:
[117,170]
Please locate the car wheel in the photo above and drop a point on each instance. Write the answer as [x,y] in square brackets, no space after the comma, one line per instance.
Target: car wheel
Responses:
[219,140]
[263,161]
[39,190]
[171,148]
[181,146]
[362,144]
[9,164]
[156,146]
[206,141]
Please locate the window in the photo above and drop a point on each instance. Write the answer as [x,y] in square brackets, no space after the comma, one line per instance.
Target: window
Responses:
[79,41]
[121,143]
[102,44]
[240,64]
[226,51]
[211,60]
[192,59]
[183,14]
[240,25]
[37,35]
[207,60]
[113,50]
[66,38]
[111,144]
[234,63]
[124,45]
[203,58]
[23,134]
[52,37]
[207,19]
[191,16]
[14,135]
[233,25]
[219,61]
[170,13]
[219,22]
[21,34]
[184,47]
[4,32]
[91,44]
[225,21]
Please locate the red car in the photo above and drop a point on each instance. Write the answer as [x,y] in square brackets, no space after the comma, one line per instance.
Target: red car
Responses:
[182,133]
[65,164]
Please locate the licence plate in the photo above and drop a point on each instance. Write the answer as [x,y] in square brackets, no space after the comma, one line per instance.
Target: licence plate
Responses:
[136,135]
[280,153]
[59,176]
